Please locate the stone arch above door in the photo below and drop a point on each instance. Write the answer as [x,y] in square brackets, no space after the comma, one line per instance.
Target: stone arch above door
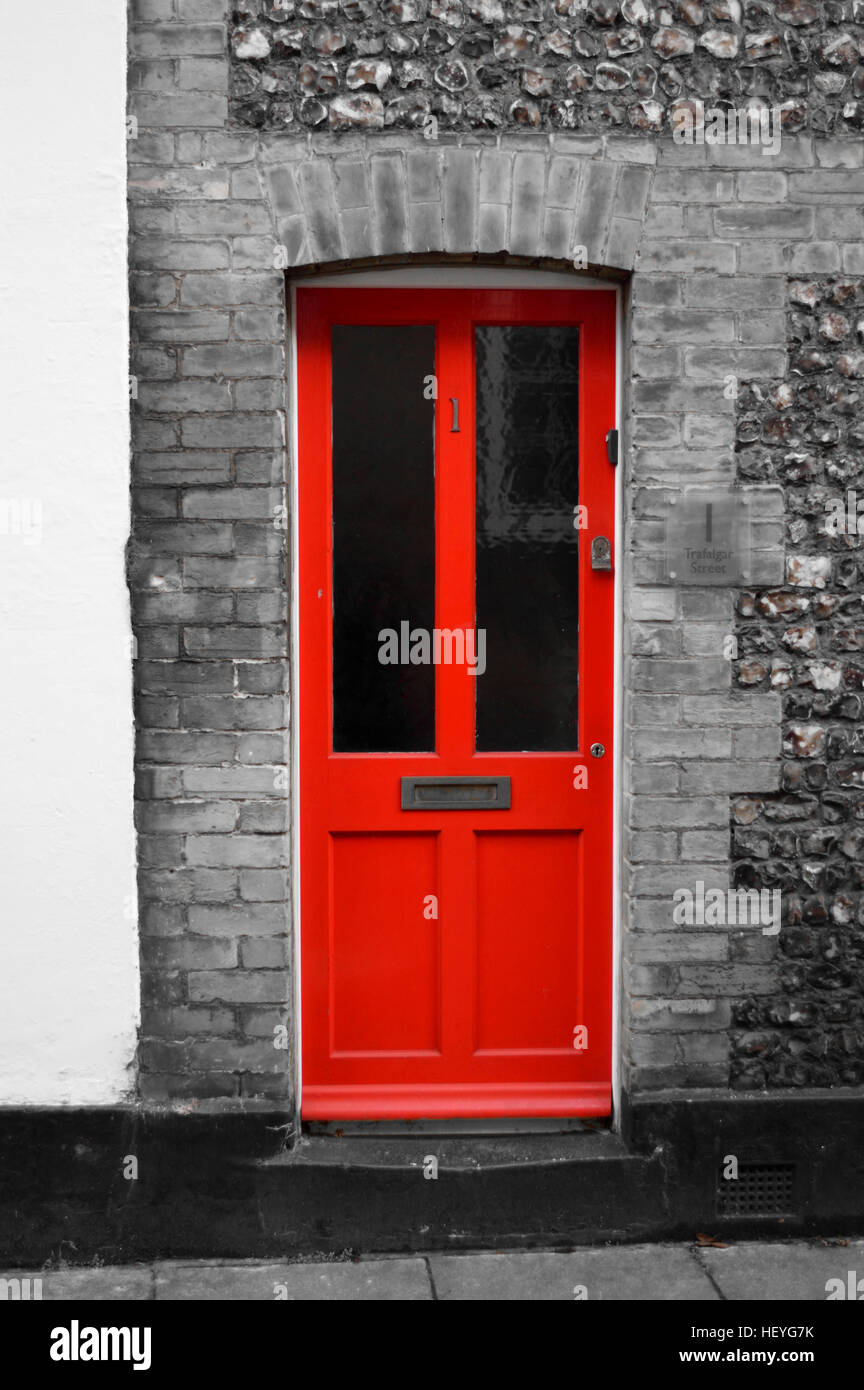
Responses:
[340,205]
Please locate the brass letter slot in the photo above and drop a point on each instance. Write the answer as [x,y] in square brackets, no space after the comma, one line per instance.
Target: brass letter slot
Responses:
[455,793]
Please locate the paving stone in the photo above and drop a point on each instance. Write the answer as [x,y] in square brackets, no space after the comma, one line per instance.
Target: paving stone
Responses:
[645,1272]
[362,1281]
[109,1283]
[793,1272]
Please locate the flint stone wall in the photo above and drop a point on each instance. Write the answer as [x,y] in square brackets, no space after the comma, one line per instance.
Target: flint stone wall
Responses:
[543,64]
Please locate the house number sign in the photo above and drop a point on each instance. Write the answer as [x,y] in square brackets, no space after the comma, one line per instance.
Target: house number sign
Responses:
[708,537]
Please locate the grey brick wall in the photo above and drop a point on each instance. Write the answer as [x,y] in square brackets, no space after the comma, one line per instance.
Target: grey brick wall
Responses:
[707,241]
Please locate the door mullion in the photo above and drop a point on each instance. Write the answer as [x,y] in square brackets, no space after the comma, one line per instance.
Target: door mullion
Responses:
[458,946]
[455,485]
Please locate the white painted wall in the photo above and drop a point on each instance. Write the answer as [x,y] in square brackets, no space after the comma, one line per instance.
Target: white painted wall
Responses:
[68,931]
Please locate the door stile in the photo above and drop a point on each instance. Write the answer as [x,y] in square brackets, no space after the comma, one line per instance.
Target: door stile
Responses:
[596,651]
[314,661]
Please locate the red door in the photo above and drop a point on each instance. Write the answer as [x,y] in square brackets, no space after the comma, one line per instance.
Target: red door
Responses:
[456,701]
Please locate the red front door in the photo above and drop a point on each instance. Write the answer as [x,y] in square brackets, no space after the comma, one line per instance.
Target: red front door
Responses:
[455,659]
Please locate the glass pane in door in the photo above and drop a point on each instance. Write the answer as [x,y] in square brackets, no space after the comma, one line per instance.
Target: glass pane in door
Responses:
[383,537]
[526,536]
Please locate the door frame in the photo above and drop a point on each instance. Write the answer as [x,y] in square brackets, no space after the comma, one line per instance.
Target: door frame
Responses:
[445,276]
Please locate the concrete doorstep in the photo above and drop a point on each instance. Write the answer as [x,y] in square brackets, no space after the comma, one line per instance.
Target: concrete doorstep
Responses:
[798,1271]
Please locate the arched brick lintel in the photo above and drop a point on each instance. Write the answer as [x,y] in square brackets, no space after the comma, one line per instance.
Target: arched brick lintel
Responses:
[365,205]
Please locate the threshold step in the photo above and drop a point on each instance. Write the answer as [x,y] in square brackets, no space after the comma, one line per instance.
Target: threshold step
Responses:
[455,1153]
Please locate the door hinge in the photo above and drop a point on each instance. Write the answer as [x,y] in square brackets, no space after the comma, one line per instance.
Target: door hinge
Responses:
[612,446]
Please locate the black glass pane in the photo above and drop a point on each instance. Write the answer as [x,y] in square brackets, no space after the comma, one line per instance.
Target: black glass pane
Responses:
[383,537]
[527,541]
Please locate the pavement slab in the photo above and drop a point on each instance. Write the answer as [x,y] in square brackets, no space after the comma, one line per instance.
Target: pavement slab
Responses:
[645,1272]
[331,1281]
[797,1271]
[109,1283]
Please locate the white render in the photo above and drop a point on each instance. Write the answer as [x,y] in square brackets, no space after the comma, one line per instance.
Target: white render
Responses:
[69,985]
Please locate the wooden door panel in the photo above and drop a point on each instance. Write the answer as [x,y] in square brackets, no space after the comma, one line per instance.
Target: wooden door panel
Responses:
[385,946]
[528,968]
